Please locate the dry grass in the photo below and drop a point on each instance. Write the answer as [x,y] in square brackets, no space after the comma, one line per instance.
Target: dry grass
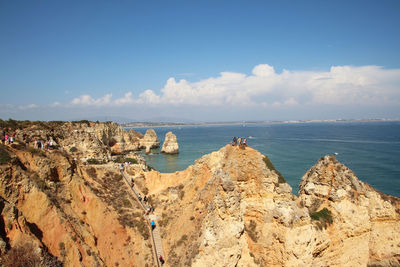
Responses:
[22,256]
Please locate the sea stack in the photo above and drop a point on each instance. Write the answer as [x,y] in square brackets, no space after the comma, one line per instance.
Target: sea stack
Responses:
[149,140]
[170,145]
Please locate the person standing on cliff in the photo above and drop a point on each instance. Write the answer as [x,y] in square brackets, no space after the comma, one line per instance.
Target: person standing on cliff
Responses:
[27,140]
[234,141]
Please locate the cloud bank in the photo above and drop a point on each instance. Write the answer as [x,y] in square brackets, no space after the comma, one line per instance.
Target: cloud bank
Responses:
[264,87]
[264,94]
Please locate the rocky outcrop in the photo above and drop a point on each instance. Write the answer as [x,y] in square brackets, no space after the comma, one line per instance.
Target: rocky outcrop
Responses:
[82,215]
[363,218]
[170,145]
[149,140]
[231,209]
[84,140]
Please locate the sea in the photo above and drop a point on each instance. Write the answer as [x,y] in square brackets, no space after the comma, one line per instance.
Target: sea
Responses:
[370,149]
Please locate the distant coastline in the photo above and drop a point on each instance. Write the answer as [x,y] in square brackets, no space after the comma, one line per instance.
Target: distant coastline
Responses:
[175,124]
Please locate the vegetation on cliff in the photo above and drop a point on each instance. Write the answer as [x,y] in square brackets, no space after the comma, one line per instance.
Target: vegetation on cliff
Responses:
[271,166]
[4,156]
[324,218]
[227,209]
[26,255]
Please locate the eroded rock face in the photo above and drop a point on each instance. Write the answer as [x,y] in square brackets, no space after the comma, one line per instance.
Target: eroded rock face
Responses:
[149,140]
[84,140]
[230,210]
[170,145]
[360,214]
[82,215]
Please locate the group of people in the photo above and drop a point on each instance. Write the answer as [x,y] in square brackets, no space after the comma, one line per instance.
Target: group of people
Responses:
[149,208]
[7,139]
[239,141]
[39,144]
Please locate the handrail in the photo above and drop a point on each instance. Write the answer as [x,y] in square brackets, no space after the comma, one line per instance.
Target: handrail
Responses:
[147,219]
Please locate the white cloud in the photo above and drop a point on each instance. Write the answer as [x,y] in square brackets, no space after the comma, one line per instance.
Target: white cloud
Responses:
[341,85]
[30,106]
[148,97]
[55,104]
[87,100]
[263,70]
[126,100]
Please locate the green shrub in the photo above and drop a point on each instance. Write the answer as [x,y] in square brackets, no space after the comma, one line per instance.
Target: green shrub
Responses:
[4,156]
[133,161]
[271,166]
[73,149]
[121,159]
[324,217]
[94,161]
[149,168]
[127,203]
[142,228]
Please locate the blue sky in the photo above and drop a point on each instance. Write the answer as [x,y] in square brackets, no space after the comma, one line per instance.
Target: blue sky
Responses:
[199,60]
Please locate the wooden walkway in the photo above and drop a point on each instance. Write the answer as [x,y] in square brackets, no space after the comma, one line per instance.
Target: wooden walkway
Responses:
[155,233]
[157,238]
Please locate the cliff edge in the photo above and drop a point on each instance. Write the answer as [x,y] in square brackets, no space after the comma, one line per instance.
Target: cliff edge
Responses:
[232,208]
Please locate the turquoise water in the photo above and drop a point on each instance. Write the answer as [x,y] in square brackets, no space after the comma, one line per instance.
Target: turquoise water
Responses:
[371,149]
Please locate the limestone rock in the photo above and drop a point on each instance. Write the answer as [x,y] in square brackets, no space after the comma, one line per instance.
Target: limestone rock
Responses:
[149,140]
[85,140]
[170,145]
[82,215]
[229,209]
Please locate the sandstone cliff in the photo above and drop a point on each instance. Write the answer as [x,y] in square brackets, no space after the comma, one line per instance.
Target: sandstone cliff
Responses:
[149,140]
[170,145]
[86,140]
[232,209]
[75,214]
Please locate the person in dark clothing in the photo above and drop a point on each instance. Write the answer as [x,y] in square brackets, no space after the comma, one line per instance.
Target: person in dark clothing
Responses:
[234,141]
[161,260]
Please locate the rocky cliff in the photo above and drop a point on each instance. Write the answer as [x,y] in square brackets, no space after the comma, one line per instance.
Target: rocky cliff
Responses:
[76,214]
[149,140]
[232,208]
[86,140]
[170,145]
